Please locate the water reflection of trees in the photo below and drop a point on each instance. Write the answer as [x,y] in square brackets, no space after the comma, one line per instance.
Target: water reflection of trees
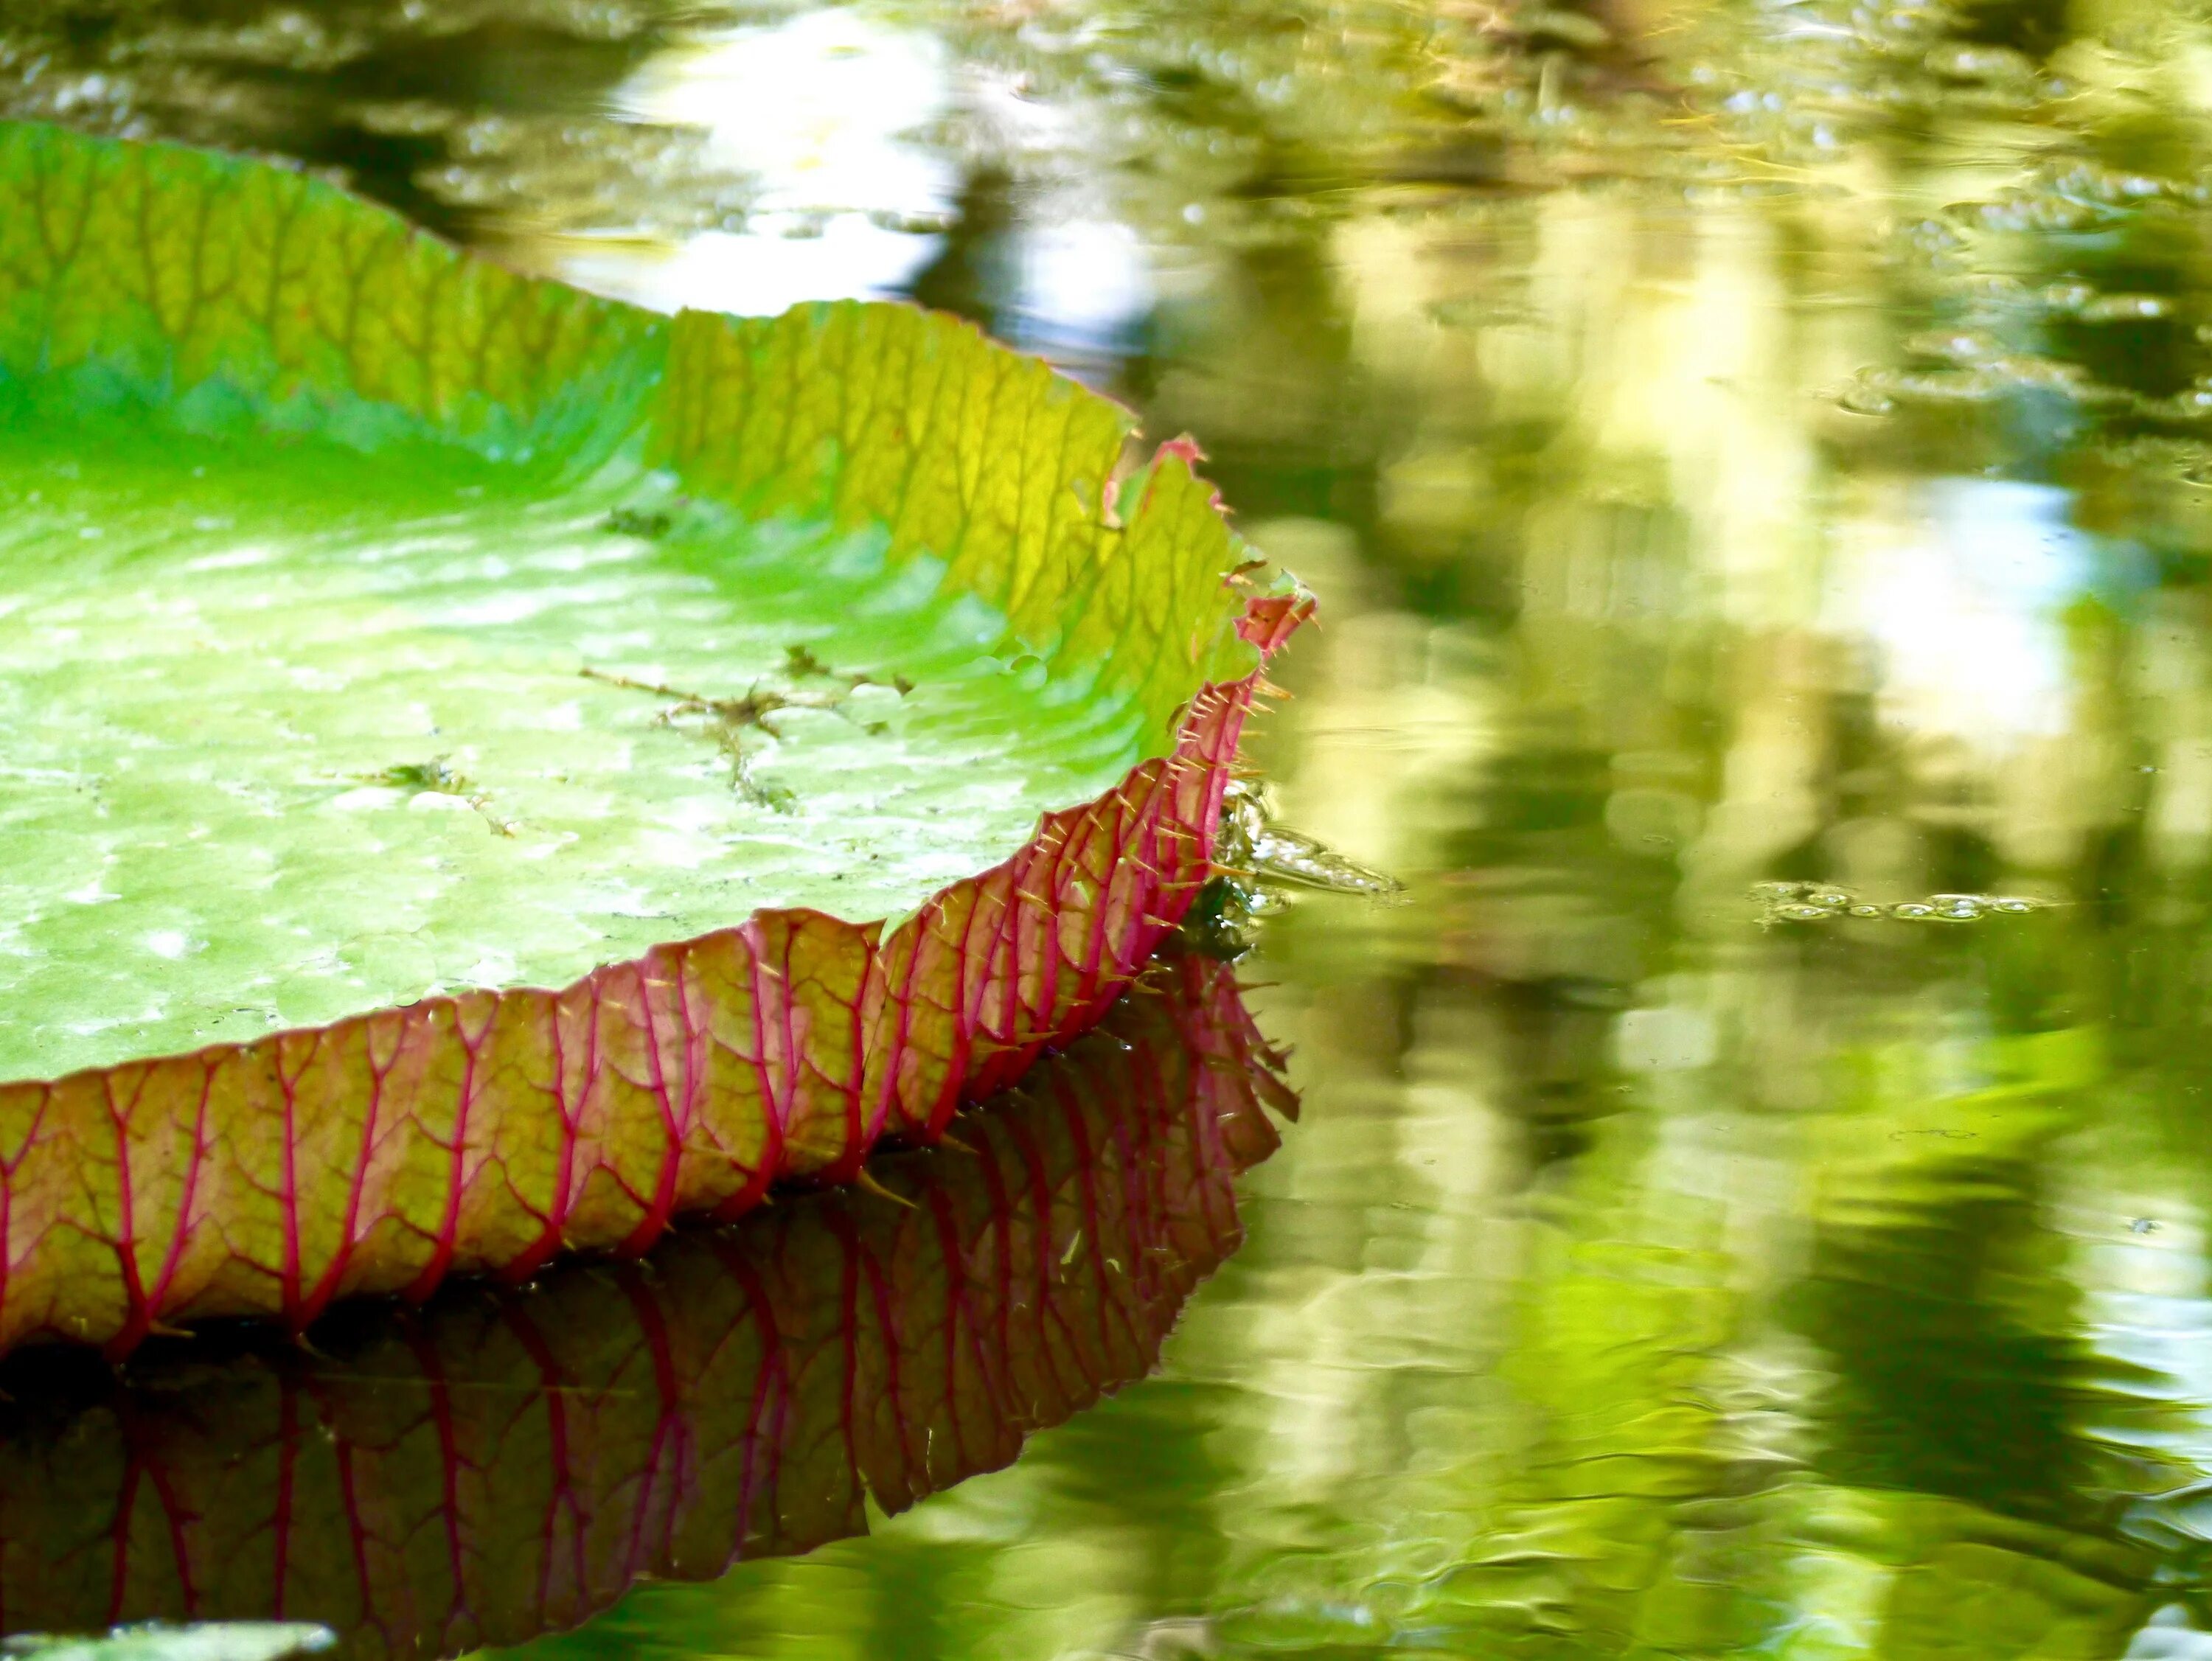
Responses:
[1859,1207]
[467,117]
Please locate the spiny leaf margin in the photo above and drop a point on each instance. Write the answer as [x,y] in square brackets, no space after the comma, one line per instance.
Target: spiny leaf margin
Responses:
[747,1393]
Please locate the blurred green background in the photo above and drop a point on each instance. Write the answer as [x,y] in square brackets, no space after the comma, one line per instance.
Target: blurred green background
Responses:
[1735,443]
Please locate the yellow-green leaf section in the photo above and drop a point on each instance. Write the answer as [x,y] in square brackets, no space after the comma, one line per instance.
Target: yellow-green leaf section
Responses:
[374,621]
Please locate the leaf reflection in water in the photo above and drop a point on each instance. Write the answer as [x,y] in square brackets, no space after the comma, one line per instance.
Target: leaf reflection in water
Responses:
[497,1465]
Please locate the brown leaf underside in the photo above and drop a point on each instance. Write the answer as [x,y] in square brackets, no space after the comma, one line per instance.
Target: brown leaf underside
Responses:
[496,1466]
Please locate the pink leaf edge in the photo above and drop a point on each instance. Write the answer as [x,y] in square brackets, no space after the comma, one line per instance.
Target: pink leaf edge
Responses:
[495,1467]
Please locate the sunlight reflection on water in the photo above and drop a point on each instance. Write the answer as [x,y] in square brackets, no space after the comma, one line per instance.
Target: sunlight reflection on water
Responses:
[821,114]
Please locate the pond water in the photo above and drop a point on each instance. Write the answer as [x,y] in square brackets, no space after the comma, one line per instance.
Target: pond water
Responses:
[1753,1194]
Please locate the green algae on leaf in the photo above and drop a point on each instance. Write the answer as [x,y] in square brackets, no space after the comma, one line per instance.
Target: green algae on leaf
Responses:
[384,635]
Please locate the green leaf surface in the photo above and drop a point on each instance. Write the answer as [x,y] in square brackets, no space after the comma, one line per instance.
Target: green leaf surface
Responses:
[376,623]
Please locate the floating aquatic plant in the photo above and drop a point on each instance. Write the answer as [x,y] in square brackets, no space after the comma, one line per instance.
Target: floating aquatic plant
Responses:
[490,770]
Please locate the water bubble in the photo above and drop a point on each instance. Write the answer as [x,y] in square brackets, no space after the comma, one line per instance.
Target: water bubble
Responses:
[1816,902]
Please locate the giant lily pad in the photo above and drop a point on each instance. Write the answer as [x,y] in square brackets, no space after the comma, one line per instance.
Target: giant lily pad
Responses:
[489,769]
